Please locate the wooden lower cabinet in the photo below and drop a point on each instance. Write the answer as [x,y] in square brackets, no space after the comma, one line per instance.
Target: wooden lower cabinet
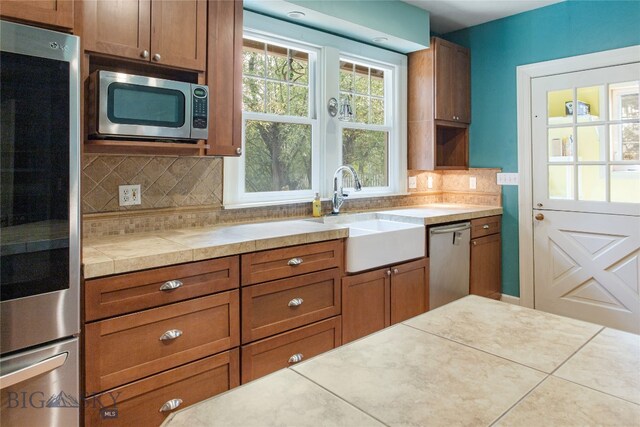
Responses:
[130,347]
[141,403]
[485,270]
[269,355]
[374,300]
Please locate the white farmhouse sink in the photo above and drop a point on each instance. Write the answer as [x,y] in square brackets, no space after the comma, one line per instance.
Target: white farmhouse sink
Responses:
[376,242]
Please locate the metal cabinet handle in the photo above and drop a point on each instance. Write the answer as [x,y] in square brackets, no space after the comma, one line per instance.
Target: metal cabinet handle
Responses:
[539,217]
[396,271]
[171,334]
[170,285]
[295,302]
[157,57]
[239,150]
[170,405]
[486,226]
[144,54]
[295,261]
[32,371]
[388,272]
[296,358]
[475,242]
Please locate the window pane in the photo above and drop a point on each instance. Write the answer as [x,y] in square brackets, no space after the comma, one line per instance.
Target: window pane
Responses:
[277,97]
[623,101]
[561,182]
[253,58]
[277,156]
[298,101]
[591,143]
[253,94]
[592,183]
[625,141]
[557,110]
[299,68]
[362,80]
[346,76]
[362,109]
[590,100]
[377,111]
[625,183]
[560,144]
[377,82]
[277,65]
[367,152]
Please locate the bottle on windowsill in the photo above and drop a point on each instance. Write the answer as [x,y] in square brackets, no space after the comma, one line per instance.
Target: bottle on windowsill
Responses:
[317,206]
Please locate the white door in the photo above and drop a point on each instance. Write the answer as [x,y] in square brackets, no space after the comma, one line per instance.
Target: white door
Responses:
[586,195]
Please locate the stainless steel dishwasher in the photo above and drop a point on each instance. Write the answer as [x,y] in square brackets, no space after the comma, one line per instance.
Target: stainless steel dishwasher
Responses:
[448,263]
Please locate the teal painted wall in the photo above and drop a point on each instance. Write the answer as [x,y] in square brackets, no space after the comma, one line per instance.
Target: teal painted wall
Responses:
[564,29]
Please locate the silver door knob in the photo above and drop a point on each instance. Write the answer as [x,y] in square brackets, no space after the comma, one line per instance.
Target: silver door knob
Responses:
[295,302]
[539,217]
[157,57]
[144,54]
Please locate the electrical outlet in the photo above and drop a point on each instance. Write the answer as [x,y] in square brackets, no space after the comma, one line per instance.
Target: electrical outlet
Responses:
[429,182]
[129,195]
[413,182]
[507,179]
[473,182]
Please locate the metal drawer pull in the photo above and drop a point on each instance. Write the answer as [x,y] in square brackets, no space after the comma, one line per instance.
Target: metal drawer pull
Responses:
[170,405]
[395,271]
[296,358]
[171,334]
[295,261]
[171,284]
[486,226]
[295,302]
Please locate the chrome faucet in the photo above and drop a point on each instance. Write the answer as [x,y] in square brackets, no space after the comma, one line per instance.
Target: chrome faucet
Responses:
[338,192]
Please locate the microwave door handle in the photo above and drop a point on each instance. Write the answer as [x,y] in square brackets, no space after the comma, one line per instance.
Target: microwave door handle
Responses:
[32,371]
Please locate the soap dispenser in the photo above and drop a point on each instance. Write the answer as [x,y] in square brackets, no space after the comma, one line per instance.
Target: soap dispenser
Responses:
[317,206]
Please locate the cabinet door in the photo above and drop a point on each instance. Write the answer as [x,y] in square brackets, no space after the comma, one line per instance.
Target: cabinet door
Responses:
[54,13]
[179,33]
[409,290]
[120,28]
[224,77]
[365,304]
[485,272]
[445,77]
[462,85]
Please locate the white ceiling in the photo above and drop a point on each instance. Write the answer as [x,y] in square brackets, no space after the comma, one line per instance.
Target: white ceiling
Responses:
[451,15]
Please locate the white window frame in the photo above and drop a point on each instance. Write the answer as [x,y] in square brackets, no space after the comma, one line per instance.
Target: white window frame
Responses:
[327,144]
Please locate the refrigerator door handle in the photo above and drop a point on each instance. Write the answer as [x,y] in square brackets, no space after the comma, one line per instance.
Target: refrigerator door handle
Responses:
[39,368]
[449,230]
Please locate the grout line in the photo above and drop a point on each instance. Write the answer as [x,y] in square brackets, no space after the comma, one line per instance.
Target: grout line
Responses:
[579,348]
[519,400]
[339,397]
[478,349]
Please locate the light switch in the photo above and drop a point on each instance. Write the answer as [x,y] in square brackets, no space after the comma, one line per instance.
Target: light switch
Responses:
[507,179]
[473,182]
[429,182]
[413,182]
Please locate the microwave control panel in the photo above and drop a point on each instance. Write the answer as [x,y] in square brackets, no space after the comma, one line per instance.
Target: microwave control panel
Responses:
[200,114]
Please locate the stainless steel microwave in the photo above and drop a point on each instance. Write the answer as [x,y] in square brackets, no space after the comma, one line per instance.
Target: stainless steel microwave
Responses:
[127,106]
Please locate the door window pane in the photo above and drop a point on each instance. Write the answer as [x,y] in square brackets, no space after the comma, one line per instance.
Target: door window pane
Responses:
[625,183]
[278,156]
[625,141]
[561,182]
[367,152]
[591,143]
[590,103]
[560,144]
[623,101]
[592,182]
[556,106]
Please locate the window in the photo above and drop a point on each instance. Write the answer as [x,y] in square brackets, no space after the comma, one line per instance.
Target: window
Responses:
[291,145]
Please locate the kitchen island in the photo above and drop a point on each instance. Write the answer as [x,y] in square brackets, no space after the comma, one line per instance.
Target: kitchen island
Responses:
[472,362]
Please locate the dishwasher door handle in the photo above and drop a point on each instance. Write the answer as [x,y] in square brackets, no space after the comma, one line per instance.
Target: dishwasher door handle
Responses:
[449,230]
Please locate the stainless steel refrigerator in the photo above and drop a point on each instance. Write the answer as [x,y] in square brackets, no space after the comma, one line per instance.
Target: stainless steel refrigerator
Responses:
[39,227]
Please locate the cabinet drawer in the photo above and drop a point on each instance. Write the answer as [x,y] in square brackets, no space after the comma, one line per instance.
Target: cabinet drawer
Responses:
[280,263]
[134,346]
[126,293]
[269,355]
[485,226]
[274,307]
[139,403]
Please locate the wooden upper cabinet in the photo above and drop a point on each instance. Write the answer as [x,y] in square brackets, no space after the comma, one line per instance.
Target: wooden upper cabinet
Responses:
[166,32]
[51,13]
[224,77]
[452,96]
[179,33]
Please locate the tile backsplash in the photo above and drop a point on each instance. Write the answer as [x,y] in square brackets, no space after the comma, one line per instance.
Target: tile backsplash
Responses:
[180,192]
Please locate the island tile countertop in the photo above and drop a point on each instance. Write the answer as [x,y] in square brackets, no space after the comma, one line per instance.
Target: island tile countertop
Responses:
[475,362]
[120,254]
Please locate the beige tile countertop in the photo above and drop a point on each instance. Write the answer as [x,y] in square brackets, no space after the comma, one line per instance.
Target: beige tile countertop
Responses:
[475,362]
[121,254]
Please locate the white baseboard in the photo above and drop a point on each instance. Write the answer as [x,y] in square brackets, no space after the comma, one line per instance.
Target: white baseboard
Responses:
[510,299]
